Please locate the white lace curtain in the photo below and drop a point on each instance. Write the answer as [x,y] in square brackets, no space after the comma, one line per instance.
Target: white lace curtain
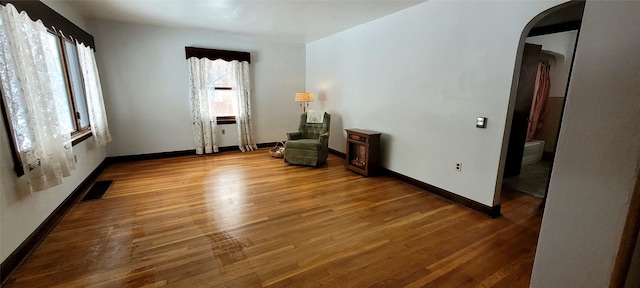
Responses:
[202,81]
[44,146]
[242,109]
[204,122]
[95,102]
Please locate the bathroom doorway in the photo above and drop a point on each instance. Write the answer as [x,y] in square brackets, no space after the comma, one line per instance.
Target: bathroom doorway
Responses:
[551,41]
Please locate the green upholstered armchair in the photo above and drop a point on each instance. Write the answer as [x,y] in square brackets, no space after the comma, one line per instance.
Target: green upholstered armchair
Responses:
[310,145]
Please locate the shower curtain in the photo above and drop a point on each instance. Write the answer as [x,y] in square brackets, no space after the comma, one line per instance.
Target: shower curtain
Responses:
[540,96]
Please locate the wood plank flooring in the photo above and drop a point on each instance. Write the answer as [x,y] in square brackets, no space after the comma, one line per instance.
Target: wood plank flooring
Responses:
[249,220]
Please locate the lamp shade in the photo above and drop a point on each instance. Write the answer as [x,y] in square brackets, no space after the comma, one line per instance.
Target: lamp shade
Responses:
[304,97]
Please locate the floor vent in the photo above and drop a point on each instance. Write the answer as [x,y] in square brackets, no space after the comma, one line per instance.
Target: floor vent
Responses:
[97,190]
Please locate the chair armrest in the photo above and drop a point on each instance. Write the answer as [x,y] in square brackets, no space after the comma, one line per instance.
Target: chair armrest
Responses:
[294,136]
[324,137]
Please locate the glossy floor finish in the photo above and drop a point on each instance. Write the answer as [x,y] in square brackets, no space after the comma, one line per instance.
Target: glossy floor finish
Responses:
[249,220]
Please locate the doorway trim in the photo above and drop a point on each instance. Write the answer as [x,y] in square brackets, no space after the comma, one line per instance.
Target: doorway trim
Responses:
[629,239]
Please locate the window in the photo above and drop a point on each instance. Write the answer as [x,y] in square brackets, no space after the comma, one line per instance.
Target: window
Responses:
[61,95]
[219,84]
[75,77]
[24,141]
[46,81]
[223,105]
[222,98]
[55,88]
[68,88]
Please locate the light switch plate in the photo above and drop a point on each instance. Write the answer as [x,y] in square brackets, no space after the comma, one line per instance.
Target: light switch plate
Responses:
[481,122]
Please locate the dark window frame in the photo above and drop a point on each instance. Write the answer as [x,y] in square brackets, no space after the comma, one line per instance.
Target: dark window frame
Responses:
[17,163]
[78,129]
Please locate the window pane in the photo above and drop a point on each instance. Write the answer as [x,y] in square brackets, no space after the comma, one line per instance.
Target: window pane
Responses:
[16,108]
[76,83]
[58,86]
[14,103]
[223,101]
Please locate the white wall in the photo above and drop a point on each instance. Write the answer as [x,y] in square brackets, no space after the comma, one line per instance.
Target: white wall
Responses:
[421,77]
[21,212]
[562,45]
[145,81]
[598,152]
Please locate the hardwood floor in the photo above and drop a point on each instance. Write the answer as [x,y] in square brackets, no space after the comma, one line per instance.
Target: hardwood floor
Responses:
[249,220]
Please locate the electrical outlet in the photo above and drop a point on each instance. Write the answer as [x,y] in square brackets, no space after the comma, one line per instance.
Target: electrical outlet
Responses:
[223,132]
[459,167]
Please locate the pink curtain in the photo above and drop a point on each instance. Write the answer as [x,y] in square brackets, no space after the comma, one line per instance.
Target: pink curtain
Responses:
[540,96]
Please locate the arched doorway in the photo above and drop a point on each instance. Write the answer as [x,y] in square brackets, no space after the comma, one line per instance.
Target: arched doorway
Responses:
[550,37]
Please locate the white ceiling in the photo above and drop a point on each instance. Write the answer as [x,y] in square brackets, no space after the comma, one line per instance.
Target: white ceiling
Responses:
[299,21]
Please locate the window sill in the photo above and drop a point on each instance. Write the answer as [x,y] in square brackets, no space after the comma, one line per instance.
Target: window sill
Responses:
[75,139]
[81,136]
[226,120]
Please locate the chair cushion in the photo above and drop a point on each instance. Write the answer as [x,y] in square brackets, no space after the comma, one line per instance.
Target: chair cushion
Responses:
[308,144]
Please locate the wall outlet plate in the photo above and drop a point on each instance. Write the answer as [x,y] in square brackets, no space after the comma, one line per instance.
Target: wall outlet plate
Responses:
[481,122]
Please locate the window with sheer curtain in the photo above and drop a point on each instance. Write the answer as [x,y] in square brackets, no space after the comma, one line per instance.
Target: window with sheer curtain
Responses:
[50,91]
[222,98]
[219,88]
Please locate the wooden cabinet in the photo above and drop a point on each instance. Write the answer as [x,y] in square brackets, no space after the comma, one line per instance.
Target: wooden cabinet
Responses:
[363,151]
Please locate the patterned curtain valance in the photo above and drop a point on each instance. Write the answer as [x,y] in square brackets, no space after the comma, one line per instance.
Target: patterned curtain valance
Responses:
[50,18]
[215,54]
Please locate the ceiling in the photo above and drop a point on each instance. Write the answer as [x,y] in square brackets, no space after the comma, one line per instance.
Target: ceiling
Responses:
[300,21]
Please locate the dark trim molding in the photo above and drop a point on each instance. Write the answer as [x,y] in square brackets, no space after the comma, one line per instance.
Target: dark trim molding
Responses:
[50,18]
[226,149]
[33,241]
[267,144]
[215,54]
[170,154]
[236,148]
[150,156]
[338,153]
[492,212]
[555,28]
[629,240]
